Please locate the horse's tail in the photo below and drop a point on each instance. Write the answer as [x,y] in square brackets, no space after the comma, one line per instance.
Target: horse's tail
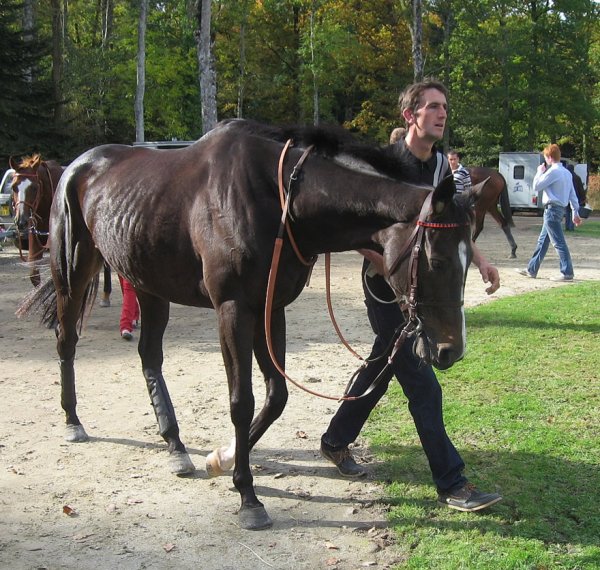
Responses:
[42,300]
[505,203]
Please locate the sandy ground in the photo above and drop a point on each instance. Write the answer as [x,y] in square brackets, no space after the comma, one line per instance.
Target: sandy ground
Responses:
[125,510]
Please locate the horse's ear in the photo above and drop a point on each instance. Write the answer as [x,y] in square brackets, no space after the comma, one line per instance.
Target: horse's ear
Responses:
[443,194]
[12,163]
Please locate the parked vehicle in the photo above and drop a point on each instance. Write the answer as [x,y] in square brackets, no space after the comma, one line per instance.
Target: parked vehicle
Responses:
[519,168]
[6,194]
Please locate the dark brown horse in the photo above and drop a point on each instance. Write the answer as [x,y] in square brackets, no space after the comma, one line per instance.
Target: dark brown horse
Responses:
[493,194]
[197,226]
[34,183]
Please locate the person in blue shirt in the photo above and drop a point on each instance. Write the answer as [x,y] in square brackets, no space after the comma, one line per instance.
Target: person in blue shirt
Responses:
[556,184]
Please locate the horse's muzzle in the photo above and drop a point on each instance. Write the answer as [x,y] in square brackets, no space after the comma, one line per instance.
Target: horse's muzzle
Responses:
[441,355]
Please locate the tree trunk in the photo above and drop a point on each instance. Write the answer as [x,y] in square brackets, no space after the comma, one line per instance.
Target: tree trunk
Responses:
[242,79]
[208,76]
[57,60]
[314,71]
[141,73]
[417,40]
[28,32]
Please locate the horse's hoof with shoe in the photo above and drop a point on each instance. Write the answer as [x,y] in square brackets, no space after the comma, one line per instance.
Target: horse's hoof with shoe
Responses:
[254,518]
[180,463]
[75,434]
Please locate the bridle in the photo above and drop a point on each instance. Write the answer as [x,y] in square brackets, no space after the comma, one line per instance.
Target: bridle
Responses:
[412,247]
[33,206]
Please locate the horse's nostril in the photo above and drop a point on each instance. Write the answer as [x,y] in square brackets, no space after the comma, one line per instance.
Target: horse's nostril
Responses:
[448,355]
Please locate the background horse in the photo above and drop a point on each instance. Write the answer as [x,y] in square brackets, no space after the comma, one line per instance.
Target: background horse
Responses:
[493,194]
[197,226]
[34,184]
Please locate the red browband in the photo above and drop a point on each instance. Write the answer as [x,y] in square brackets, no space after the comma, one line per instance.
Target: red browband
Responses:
[440,226]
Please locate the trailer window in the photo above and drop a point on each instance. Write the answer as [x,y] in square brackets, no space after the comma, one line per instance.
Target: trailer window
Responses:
[519,172]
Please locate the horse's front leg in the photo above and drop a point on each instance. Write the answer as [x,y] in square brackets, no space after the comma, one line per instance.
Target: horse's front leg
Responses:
[276,387]
[222,459]
[236,328]
[34,255]
[155,316]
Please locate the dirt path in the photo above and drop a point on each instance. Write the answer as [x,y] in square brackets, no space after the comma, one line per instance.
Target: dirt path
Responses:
[129,511]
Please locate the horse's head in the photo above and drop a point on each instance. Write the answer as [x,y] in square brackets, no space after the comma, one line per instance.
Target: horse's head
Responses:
[26,191]
[426,265]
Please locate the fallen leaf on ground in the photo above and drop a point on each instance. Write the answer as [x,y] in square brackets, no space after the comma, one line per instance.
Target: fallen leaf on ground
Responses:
[168,547]
[69,511]
[301,434]
[331,546]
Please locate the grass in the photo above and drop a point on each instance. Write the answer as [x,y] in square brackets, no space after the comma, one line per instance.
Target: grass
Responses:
[523,408]
[589,228]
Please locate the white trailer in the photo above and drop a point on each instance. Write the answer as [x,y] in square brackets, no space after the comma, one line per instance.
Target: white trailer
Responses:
[519,168]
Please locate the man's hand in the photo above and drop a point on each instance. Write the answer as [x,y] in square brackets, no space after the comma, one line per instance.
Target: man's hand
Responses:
[489,273]
[577,220]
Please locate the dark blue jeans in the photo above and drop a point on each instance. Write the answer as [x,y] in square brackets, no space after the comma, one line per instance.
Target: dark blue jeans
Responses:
[421,388]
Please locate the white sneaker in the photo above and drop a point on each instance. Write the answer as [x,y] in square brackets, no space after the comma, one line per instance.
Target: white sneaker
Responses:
[562,277]
[525,272]
[126,335]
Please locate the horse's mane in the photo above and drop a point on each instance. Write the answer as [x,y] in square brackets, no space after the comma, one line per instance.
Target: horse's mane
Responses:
[331,141]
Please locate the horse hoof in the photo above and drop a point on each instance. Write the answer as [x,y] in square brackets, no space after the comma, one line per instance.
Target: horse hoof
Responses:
[254,518]
[76,434]
[513,256]
[180,463]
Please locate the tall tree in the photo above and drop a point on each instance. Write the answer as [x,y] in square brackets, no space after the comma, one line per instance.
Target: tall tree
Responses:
[208,76]
[141,73]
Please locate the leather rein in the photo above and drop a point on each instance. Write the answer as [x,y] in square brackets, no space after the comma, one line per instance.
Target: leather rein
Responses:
[412,247]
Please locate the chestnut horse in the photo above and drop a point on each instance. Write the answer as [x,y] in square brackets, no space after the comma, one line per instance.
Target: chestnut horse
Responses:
[493,194]
[199,226]
[33,186]
[34,183]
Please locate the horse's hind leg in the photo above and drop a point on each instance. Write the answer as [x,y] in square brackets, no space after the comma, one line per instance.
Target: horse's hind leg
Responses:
[70,302]
[155,316]
[506,229]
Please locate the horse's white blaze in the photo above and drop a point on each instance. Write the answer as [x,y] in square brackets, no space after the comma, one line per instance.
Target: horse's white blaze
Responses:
[22,188]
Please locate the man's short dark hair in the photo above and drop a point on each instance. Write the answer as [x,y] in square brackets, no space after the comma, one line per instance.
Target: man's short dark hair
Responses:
[410,97]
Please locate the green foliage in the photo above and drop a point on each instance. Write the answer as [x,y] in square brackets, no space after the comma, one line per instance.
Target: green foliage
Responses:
[522,407]
[26,103]
[520,73]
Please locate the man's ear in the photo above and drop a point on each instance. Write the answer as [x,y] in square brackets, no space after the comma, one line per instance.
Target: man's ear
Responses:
[443,194]
[408,116]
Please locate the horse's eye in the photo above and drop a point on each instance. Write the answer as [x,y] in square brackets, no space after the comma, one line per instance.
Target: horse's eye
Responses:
[437,264]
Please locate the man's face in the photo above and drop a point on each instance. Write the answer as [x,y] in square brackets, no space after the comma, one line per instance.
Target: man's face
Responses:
[429,118]
[453,160]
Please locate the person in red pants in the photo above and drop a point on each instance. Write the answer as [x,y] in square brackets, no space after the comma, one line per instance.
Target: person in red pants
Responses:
[130,311]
